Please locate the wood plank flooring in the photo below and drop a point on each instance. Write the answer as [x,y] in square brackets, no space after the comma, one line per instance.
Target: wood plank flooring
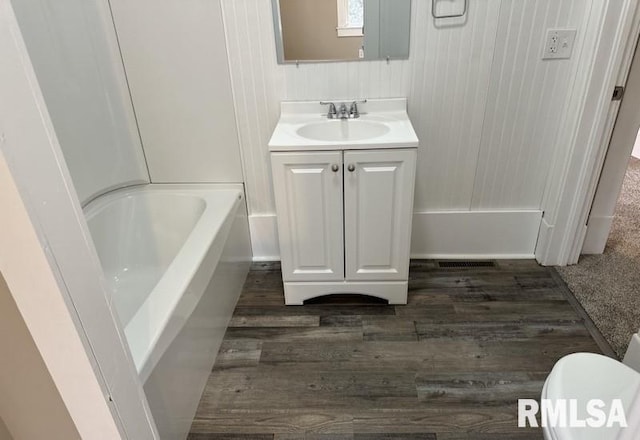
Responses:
[450,365]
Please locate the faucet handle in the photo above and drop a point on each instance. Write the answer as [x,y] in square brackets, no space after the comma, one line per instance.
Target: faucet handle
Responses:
[332,109]
[353,111]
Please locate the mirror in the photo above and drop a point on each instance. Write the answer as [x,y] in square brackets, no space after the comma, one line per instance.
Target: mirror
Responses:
[341,30]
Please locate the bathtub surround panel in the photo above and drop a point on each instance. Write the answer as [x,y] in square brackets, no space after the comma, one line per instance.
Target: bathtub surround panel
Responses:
[484,104]
[74,52]
[176,61]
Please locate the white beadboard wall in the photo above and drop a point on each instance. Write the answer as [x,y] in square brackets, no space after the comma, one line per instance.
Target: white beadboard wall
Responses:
[451,73]
[526,102]
[484,104]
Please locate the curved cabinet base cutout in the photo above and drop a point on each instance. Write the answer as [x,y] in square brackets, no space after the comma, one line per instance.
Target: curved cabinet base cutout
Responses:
[393,291]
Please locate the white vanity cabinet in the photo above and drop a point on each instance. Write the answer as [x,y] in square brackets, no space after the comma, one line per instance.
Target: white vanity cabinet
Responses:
[343,186]
[344,221]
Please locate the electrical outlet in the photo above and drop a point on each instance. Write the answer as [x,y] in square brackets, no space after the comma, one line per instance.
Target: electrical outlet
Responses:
[558,44]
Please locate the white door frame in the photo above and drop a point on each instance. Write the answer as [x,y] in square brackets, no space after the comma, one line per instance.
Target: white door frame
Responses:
[50,263]
[575,170]
[624,121]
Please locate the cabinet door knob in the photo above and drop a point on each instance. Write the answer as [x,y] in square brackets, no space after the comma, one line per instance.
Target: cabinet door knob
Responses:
[351,168]
[335,168]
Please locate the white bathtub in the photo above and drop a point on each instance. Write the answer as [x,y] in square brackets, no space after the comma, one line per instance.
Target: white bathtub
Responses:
[175,257]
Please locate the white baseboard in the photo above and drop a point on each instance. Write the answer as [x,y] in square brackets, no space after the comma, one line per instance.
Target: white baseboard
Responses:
[475,234]
[468,256]
[443,235]
[597,234]
[264,237]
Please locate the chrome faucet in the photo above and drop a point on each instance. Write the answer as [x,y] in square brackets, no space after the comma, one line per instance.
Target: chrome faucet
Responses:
[343,112]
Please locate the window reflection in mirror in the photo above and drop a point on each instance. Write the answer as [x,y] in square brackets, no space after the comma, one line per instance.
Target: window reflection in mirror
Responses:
[350,18]
[338,30]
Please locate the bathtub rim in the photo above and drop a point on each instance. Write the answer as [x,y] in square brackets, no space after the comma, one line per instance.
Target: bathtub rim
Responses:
[104,199]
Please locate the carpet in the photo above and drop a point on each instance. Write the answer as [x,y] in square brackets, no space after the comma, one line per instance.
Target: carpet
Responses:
[608,285]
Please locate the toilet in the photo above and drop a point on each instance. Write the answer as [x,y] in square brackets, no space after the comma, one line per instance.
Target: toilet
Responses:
[586,376]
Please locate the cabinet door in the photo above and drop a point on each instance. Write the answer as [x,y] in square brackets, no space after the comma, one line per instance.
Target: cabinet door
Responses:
[378,199]
[308,194]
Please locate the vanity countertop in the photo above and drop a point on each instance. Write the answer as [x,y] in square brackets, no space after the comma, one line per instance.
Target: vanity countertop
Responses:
[383,123]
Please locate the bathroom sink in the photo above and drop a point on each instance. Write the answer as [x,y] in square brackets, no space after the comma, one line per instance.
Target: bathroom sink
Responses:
[343,130]
[304,125]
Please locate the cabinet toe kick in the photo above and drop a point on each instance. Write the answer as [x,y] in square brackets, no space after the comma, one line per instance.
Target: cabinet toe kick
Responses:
[393,291]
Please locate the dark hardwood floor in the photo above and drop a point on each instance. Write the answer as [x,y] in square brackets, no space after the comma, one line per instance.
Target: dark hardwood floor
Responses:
[450,365]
